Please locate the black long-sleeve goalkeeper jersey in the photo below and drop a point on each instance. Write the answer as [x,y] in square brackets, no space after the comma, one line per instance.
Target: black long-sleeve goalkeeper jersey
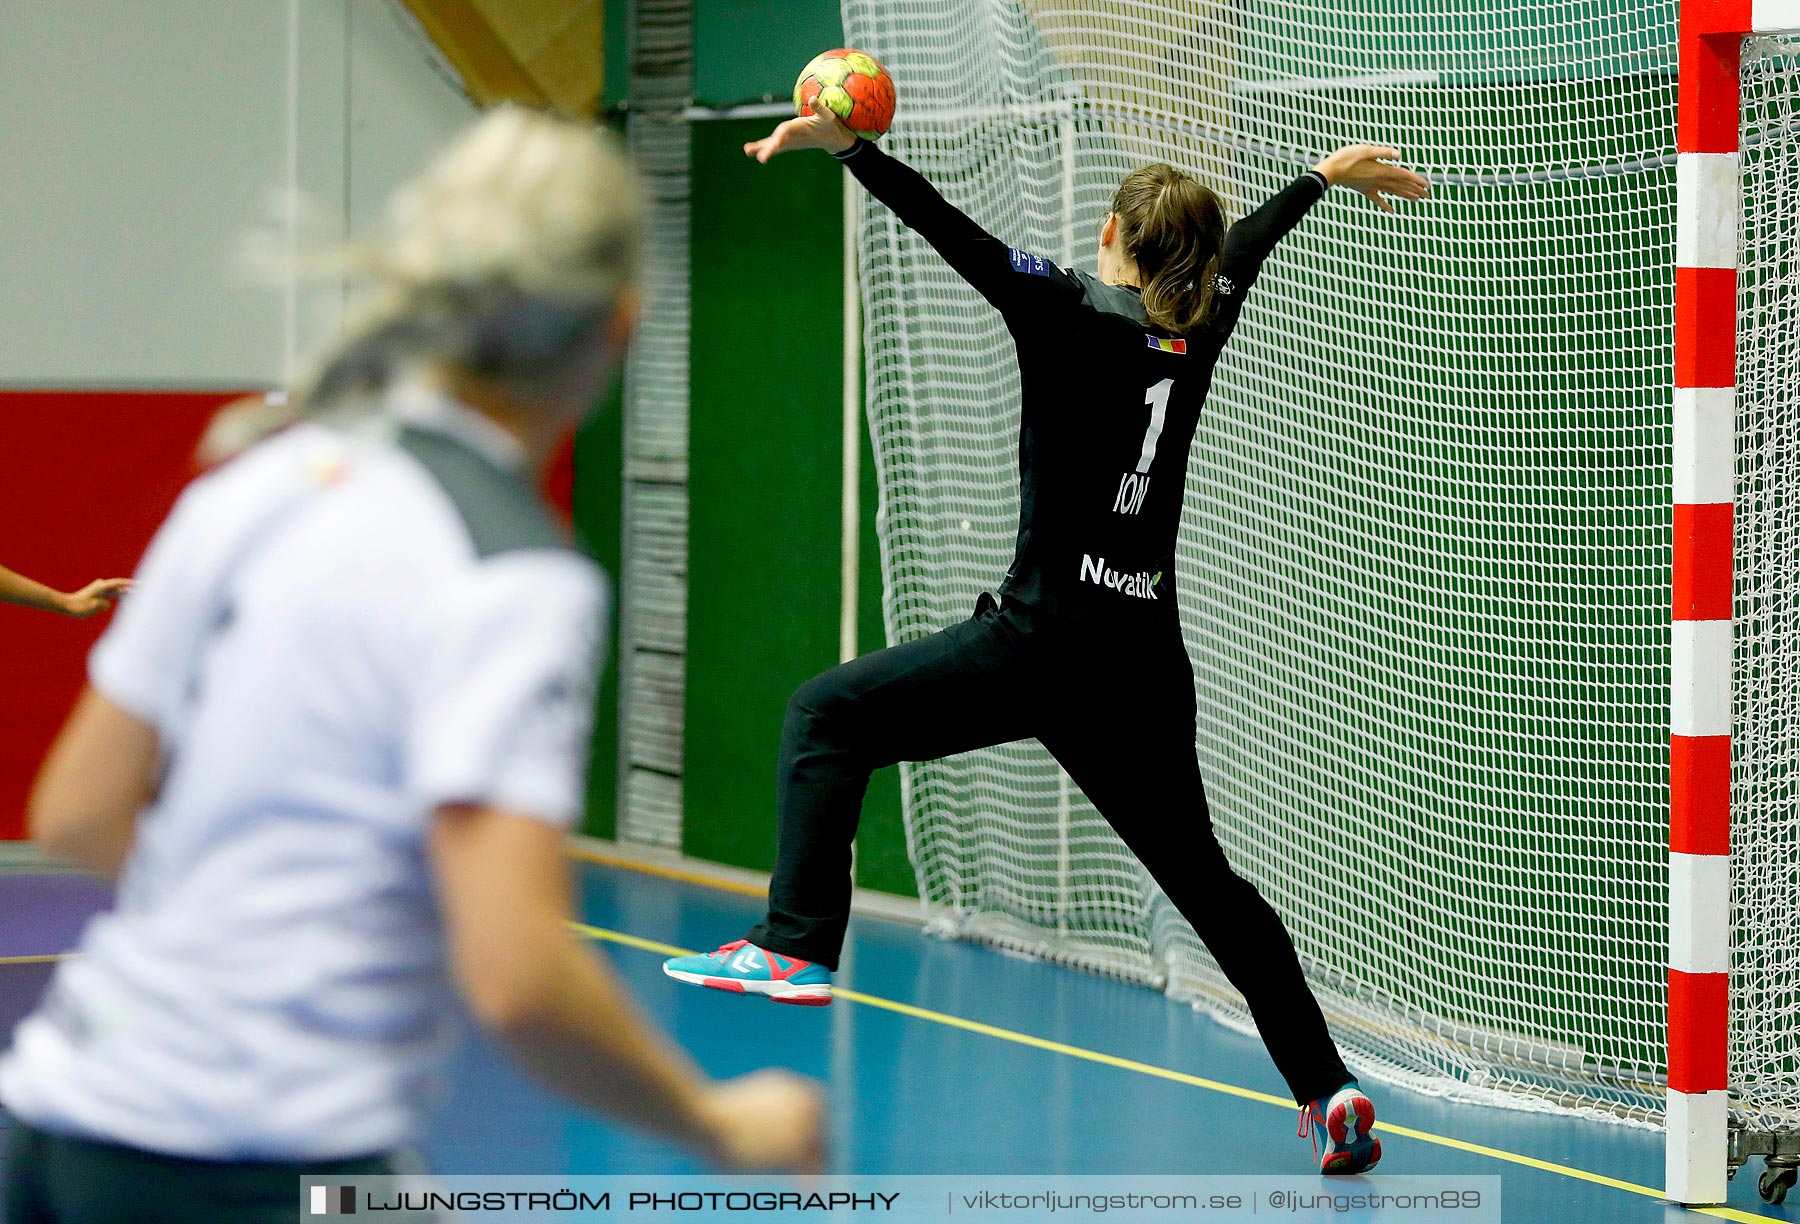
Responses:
[1109,401]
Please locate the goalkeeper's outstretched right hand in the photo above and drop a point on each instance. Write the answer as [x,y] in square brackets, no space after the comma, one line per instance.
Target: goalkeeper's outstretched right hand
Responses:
[819,130]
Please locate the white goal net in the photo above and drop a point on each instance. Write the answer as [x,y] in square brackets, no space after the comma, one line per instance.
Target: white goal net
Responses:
[1765,768]
[1425,570]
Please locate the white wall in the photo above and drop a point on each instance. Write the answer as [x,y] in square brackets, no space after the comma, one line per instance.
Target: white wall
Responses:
[140,140]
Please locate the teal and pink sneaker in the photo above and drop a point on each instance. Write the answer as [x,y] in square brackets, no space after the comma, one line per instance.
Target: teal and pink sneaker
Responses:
[743,968]
[1342,1122]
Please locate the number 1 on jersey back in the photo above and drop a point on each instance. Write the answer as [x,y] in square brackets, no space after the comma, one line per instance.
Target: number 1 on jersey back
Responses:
[1157,398]
[1136,483]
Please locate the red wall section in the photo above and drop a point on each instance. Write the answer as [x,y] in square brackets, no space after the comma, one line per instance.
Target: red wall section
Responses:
[85,477]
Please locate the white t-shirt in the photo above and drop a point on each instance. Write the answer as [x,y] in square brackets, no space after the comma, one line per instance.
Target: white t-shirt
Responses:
[333,635]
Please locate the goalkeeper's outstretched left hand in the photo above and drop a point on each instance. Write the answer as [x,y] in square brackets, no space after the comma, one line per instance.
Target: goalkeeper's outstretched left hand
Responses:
[819,130]
[1370,170]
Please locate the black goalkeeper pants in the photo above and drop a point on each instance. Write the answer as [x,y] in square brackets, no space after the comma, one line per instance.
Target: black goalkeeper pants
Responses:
[1116,710]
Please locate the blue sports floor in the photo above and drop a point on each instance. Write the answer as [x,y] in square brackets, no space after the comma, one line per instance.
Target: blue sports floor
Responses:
[947,1058]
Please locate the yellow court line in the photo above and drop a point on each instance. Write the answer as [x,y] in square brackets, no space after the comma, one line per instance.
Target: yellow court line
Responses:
[1124,1064]
[1193,1081]
[630,941]
[667,873]
[1732,1213]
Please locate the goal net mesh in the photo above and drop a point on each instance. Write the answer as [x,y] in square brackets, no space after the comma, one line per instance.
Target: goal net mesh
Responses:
[1765,766]
[1425,566]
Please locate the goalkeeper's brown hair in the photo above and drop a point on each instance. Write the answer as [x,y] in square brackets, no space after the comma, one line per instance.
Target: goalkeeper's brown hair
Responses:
[1173,228]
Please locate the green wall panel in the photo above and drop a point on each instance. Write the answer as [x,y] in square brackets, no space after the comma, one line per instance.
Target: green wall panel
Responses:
[764,541]
[599,468]
[615,52]
[766,443]
[766,482]
[750,50]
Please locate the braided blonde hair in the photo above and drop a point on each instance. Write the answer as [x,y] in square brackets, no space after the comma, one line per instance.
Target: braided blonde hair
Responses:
[501,258]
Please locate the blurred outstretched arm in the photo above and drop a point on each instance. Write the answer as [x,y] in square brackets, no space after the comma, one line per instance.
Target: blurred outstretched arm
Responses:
[94,597]
[505,889]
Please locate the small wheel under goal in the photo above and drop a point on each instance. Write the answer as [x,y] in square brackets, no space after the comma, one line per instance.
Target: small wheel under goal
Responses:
[1774,1184]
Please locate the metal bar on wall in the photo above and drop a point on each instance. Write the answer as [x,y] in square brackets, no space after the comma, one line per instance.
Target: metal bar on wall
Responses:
[653,579]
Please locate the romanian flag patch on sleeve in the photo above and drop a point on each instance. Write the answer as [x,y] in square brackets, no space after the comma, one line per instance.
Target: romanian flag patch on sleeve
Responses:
[1167,346]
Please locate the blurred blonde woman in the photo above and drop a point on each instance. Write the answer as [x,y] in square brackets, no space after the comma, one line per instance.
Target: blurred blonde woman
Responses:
[331,747]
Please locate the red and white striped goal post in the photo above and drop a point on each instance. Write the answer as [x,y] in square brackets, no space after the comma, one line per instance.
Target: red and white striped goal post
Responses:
[1706,257]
